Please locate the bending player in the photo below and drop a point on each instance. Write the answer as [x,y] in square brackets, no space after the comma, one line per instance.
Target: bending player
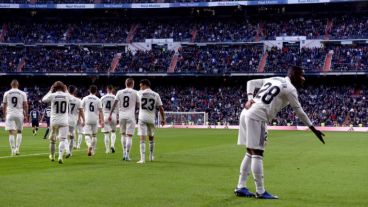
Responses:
[128,101]
[76,115]
[15,111]
[92,107]
[110,124]
[149,102]
[59,101]
[274,94]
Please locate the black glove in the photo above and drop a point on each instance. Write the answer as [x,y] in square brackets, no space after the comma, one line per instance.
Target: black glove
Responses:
[318,133]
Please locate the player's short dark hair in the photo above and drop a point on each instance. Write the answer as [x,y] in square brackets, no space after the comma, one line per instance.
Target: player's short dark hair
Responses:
[93,89]
[145,82]
[129,82]
[58,86]
[72,89]
[295,70]
[110,87]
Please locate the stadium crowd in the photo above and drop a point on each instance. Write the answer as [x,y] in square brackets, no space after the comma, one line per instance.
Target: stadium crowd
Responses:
[247,29]
[204,59]
[328,105]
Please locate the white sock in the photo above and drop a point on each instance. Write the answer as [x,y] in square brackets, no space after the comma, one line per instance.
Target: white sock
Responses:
[61,147]
[128,145]
[244,170]
[257,170]
[113,139]
[12,142]
[94,143]
[18,142]
[66,143]
[123,143]
[88,140]
[107,142]
[143,150]
[80,139]
[151,147]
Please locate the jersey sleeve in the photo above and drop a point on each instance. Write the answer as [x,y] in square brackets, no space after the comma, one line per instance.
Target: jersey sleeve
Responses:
[47,98]
[295,104]
[24,97]
[4,98]
[117,96]
[252,85]
[79,102]
[83,102]
[159,102]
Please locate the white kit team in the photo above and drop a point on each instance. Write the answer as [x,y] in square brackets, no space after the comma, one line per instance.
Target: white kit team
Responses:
[70,118]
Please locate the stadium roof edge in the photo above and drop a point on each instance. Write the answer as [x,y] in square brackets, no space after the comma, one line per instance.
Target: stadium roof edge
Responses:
[171,5]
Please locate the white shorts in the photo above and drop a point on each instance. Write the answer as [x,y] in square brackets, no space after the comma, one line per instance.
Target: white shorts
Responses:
[90,129]
[127,126]
[252,133]
[14,123]
[146,129]
[72,130]
[60,131]
[109,126]
[80,129]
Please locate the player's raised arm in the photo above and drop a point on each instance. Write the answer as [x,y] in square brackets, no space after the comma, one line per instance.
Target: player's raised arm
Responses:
[295,104]
[47,97]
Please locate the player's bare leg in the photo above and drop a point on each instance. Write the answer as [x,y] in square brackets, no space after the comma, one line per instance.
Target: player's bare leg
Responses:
[151,147]
[18,141]
[113,139]
[12,134]
[142,150]
[107,142]
[128,146]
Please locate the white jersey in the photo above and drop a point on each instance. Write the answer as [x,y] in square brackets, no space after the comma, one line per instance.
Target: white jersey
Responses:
[149,101]
[91,105]
[107,102]
[274,94]
[59,102]
[14,98]
[127,102]
[75,104]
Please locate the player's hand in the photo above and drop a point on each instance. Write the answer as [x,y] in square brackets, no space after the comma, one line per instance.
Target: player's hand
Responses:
[102,124]
[110,118]
[318,134]
[249,104]
[162,122]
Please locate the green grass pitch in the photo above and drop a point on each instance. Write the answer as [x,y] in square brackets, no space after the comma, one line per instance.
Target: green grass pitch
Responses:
[193,167]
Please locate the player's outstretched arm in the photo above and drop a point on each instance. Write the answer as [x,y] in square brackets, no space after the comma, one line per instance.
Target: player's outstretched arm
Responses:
[100,116]
[81,118]
[5,105]
[25,110]
[295,104]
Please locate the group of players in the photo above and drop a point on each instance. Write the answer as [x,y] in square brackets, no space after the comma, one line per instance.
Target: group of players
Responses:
[67,113]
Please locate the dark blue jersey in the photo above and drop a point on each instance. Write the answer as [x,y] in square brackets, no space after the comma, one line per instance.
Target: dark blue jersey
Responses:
[35,115]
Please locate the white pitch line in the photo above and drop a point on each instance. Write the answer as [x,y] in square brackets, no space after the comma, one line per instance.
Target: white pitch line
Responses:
[30,155]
